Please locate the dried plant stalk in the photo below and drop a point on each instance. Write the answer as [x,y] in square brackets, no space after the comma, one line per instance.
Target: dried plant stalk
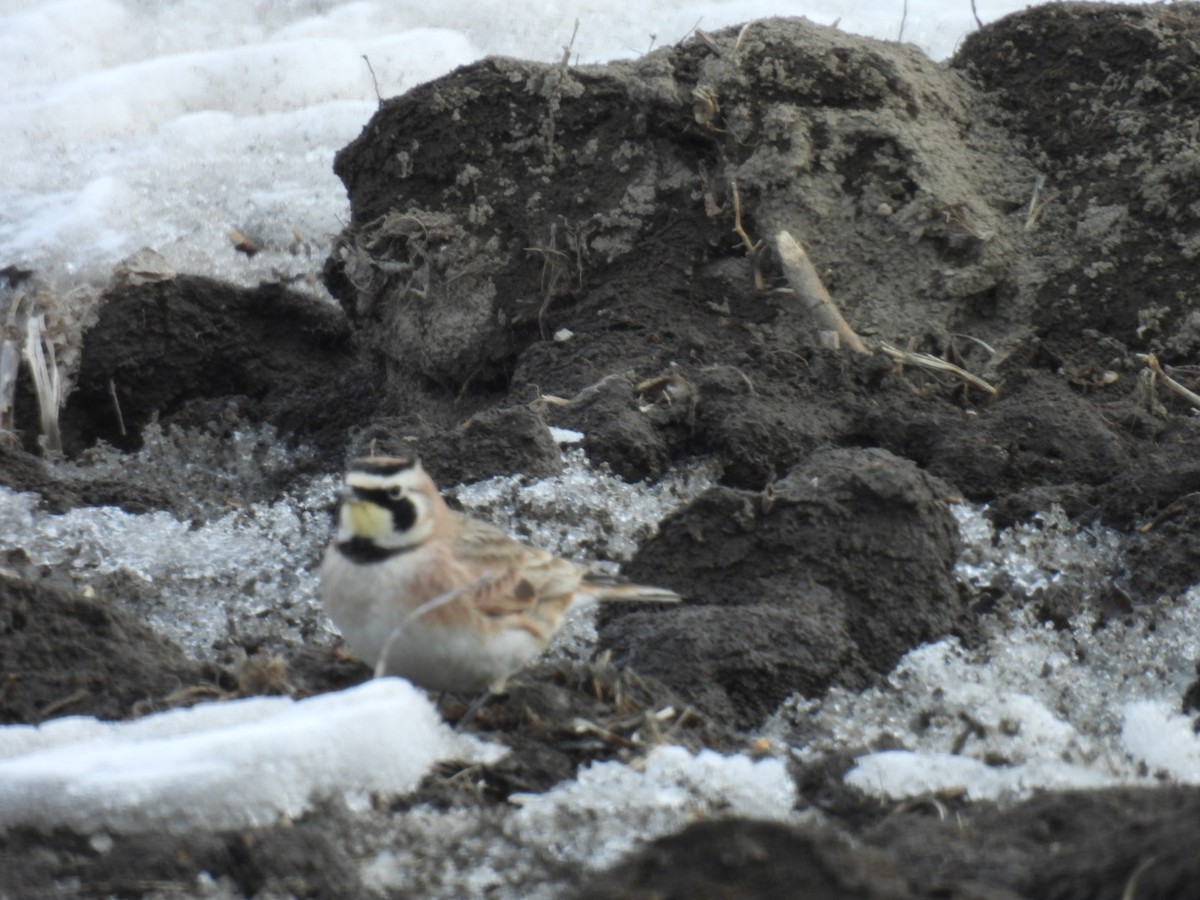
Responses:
[835,331]
[10,361]
[46,381]
[925,361]
[753,249]
[1170,383]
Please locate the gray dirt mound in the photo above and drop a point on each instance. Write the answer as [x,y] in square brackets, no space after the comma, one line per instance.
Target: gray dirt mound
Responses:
[510,202]
[527,198]
[1106,97]
[161,350]
[748,859]
[832,574]
[1106,844]
[66,654]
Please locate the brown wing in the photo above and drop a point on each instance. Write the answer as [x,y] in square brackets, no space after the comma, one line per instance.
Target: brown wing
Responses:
[514,577]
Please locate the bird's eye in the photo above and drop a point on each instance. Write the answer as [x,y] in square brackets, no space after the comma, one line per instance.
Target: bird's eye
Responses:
[395,493]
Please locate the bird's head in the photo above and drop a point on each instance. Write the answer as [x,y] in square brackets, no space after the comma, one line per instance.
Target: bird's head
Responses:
[387,505]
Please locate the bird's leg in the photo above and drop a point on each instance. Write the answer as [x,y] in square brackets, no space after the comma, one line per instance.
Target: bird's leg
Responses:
[475,706]
[497,688]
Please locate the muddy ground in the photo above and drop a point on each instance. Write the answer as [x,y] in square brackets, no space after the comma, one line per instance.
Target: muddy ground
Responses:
[537,245]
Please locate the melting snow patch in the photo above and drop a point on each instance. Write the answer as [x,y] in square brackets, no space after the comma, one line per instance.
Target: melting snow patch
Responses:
[215,573]
[551,840]
[670,790]
[1164,740]
[566,435]
[235,764]
[1035,706]
[585,511]
[901,774]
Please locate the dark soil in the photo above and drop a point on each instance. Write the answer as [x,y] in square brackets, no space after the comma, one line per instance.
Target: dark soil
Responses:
[1103,845]
[161,349]
[537,246]
[830,575]
[65,654]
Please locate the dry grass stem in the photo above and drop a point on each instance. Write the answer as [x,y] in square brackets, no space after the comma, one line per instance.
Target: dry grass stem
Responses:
[1035,208]
[10,364]
[977,341]
[567,47]
[753,250]
[712,45]
[1171,384]
[555,95]
[49,710]
[737,45]
[1130,891]
[926,361]
[374,80]
[39,354]
[835,331]
[112,392]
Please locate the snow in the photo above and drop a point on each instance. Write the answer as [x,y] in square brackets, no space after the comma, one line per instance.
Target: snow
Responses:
[1157,735]
[902,774]
[235,764]
[671,789]
[1153,735]
[1034,707]
[589,822]
[251,570]
[583,512]
[251,565]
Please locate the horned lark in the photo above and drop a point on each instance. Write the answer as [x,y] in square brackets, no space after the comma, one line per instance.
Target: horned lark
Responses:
[447,601]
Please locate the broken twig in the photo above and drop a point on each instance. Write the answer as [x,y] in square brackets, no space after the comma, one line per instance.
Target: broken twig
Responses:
[803,277]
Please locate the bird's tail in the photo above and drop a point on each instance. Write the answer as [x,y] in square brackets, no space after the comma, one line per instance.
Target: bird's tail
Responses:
[598,586]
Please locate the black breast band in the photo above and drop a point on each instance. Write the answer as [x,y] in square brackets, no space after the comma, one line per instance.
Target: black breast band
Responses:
[362,550]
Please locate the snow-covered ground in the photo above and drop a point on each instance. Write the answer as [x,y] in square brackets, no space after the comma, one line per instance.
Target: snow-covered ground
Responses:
[136,123]
[225,765]
[1034,707]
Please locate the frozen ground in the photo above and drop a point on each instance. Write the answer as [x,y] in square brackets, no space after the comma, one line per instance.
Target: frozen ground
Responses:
[1034,707]
[1038,706]
[249,568]
[585,822]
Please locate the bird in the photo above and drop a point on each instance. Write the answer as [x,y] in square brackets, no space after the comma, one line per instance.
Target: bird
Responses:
[445,600]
